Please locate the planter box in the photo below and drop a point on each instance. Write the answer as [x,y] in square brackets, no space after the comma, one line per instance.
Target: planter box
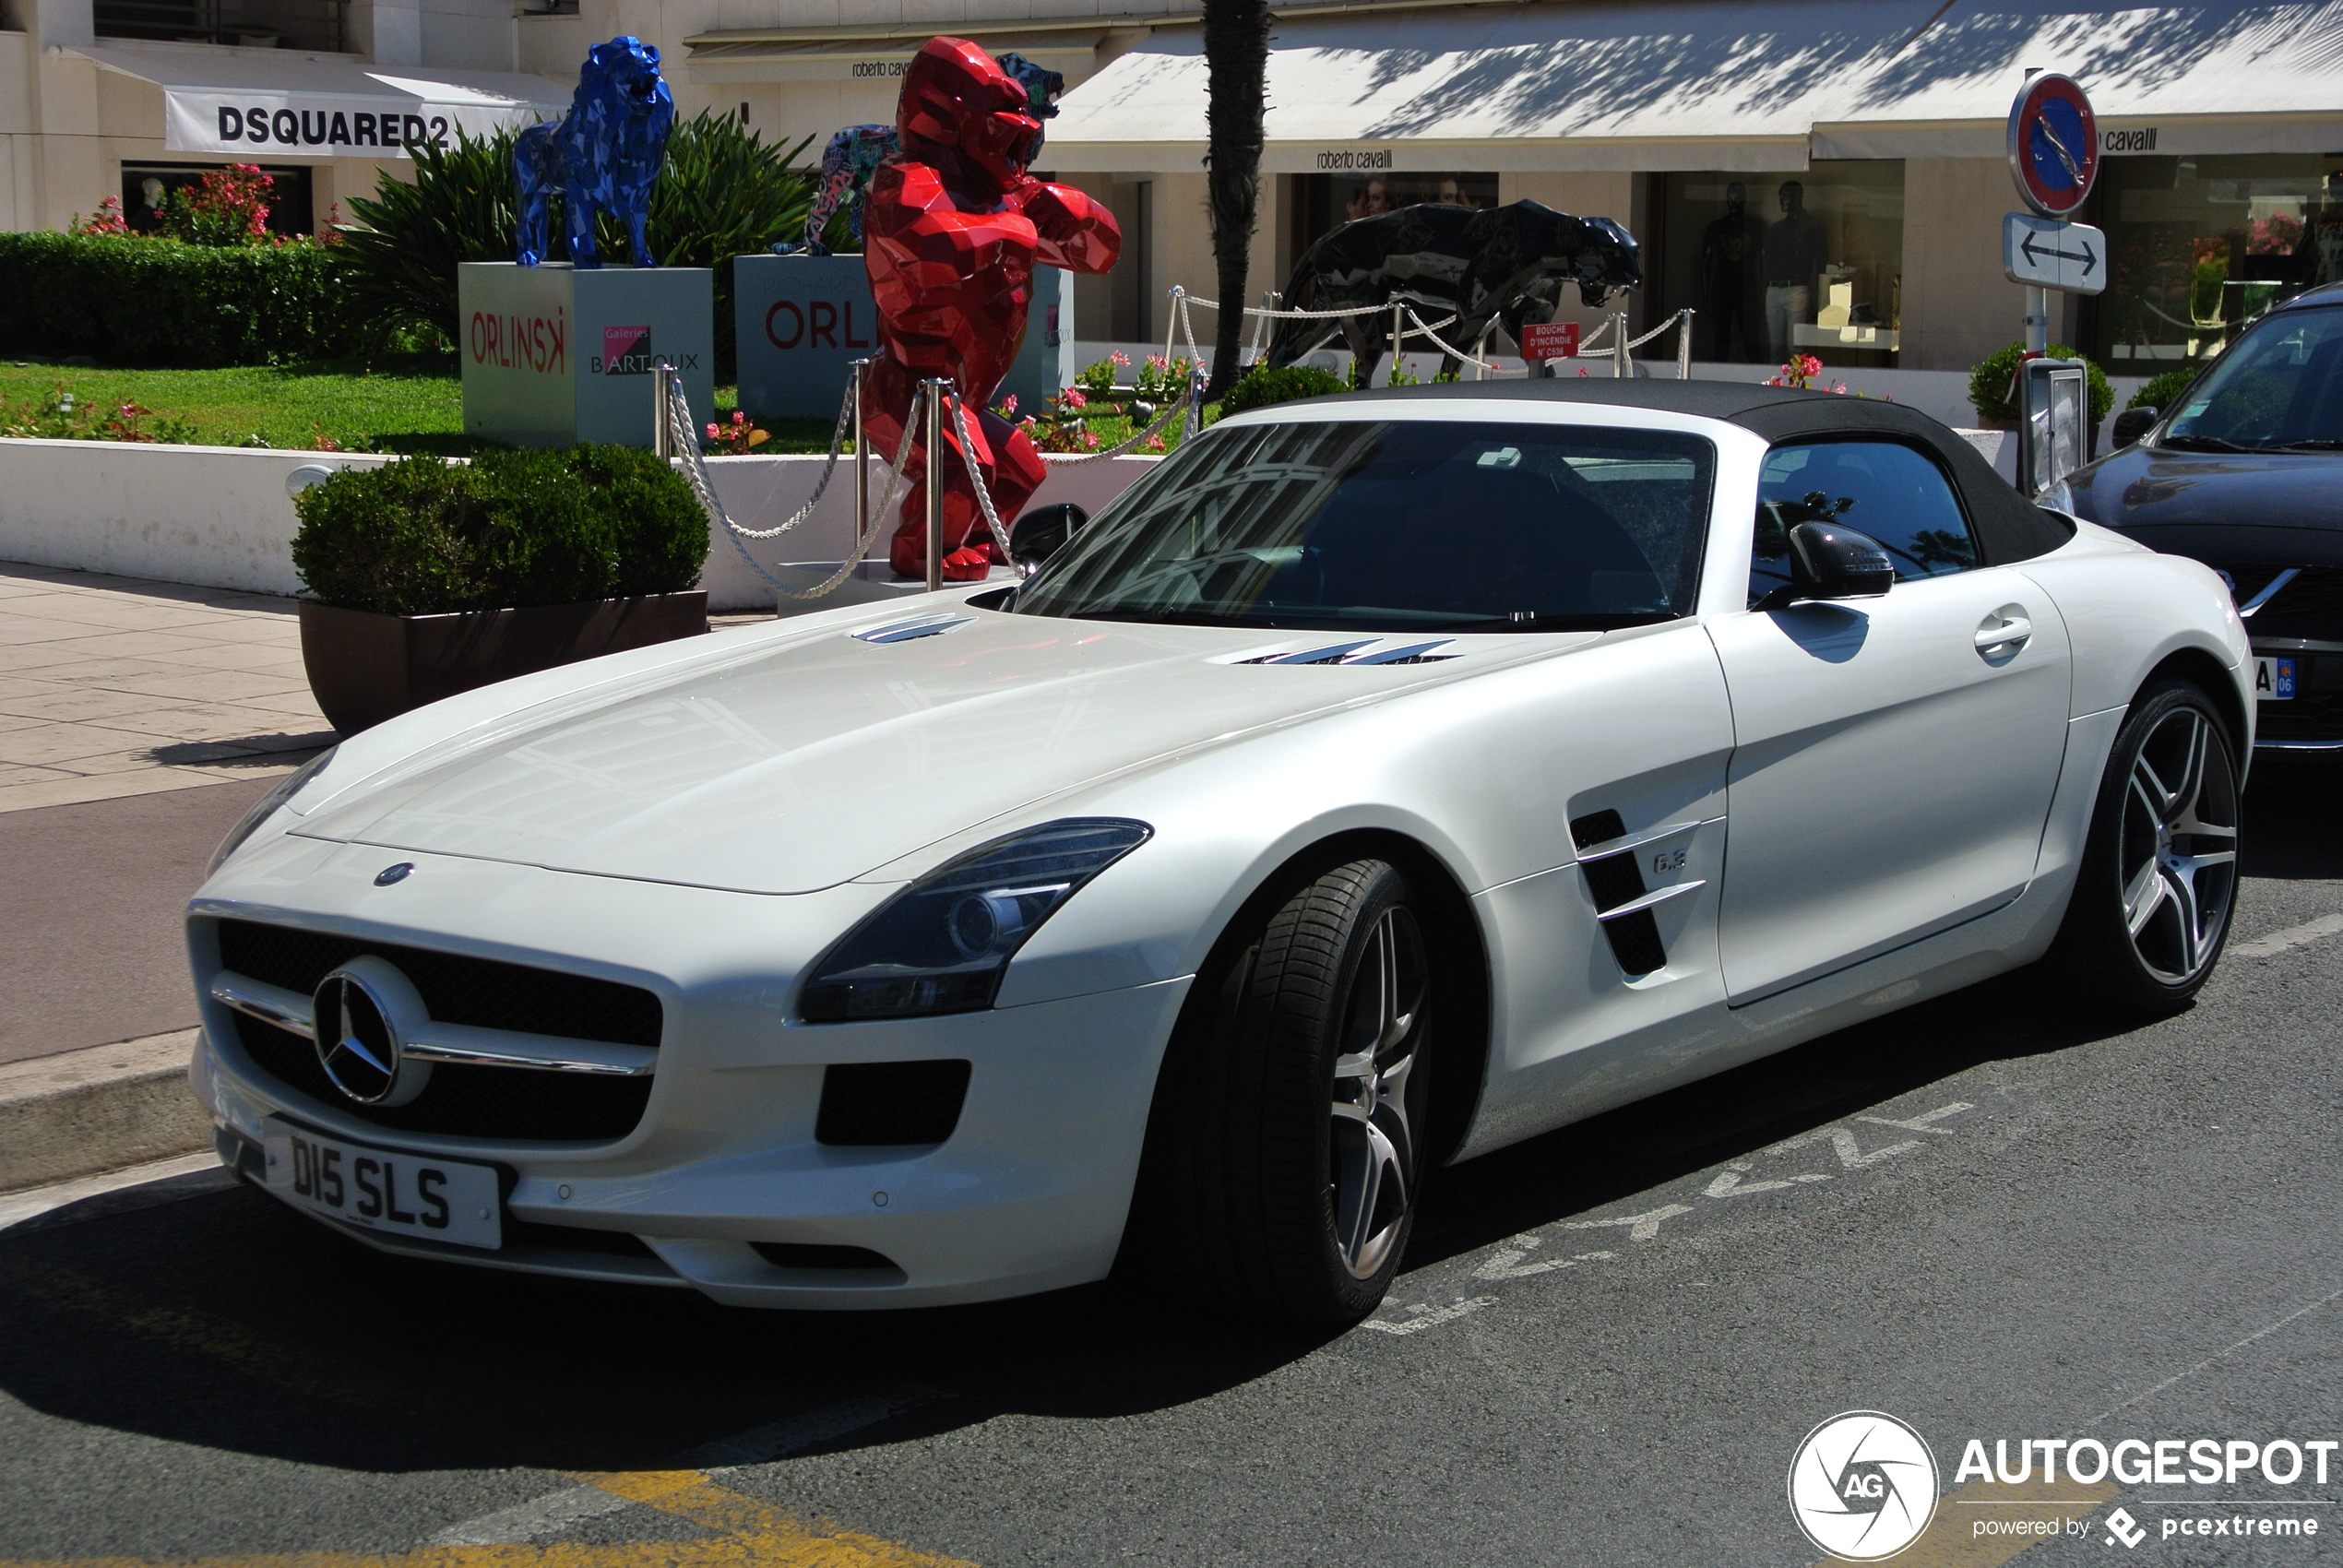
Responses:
[366,668]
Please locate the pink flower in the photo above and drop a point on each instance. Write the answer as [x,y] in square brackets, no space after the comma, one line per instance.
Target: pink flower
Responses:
[1076,399]
[738,418]
[1008,404]
[711,431]
[1122,359]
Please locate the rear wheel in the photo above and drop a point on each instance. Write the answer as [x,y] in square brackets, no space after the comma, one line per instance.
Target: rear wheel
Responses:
[1286,1143]
[2158,878]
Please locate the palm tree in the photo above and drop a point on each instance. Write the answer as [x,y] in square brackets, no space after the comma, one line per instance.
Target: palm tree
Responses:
[1236,57]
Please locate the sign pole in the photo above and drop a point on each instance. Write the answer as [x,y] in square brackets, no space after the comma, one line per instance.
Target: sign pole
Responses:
[2037,323]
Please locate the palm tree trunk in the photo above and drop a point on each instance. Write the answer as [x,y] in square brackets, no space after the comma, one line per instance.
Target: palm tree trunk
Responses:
[1236,55]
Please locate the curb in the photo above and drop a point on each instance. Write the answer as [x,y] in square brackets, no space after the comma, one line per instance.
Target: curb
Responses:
[98,1108]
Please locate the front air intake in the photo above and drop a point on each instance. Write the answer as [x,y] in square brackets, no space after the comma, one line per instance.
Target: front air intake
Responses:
[866,1103]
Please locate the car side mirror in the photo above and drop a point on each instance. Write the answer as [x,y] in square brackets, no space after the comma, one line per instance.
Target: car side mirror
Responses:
[1042,532]
[1832,561]
[2134,423]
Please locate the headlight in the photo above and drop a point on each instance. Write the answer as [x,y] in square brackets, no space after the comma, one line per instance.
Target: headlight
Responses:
[940,945]
[265,807]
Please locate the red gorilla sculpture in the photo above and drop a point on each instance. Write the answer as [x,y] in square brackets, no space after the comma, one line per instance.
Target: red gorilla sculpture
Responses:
[951,231]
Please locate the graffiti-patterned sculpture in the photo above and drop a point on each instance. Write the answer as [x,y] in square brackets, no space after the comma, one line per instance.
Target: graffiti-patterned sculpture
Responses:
[1508,262]
[952,230]
[855,153]
[604,155]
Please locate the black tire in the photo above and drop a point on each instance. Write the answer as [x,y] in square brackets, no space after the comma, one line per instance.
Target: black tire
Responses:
[1283,1161]
[2157,884]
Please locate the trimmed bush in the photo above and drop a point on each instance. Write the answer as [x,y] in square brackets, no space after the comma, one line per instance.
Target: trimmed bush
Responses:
[423,536]
[1265,388]
[2164,391]
[1989,385]
[140,302]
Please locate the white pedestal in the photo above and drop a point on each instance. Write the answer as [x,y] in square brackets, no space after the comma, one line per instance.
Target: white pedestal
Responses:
[800,321]
[555,355]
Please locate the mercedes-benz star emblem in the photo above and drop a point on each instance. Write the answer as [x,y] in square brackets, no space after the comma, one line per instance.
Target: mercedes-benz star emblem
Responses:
[356,1045]
[389,874]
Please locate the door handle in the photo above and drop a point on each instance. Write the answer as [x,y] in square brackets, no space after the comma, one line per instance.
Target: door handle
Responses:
[2004,632]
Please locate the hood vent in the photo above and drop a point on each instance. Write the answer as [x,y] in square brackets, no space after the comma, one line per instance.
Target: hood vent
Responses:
[1365,650]
[917,626]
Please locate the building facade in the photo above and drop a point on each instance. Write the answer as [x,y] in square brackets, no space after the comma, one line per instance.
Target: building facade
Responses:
[1825,176]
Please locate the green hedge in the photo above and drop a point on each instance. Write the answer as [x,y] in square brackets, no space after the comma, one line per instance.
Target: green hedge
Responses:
[423,536]
[2163,392]
[159,303]
[1262,388]
[1989,384]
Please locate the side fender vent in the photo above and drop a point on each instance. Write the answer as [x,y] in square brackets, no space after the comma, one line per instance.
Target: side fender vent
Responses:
[1624,904]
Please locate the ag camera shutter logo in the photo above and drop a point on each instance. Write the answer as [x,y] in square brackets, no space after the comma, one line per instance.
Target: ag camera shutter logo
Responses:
[1863,1486]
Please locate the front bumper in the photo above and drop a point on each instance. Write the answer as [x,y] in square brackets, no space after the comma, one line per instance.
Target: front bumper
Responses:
[1028,1193]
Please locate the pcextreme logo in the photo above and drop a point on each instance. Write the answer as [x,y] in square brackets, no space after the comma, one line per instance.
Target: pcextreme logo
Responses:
[1863,1486]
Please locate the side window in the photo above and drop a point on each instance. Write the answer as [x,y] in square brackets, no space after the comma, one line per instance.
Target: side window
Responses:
[1891,491]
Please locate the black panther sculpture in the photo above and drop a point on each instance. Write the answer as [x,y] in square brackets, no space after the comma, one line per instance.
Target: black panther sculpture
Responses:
[1508,262]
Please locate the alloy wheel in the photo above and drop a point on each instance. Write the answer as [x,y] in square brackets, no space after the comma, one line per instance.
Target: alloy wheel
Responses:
[2178,851]
[1372,1153]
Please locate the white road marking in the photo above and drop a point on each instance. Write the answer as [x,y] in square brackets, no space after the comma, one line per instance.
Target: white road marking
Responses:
[1640,1226]
[1507,1264]
[1730,1186]
[1427,1315]
[2216,1355]
[1922,1123]
[2293,936]
[1842,1142]
[557,1510]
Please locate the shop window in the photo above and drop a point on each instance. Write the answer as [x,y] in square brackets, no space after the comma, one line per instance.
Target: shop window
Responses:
[1810,263]
[2201,246]
[144,187]
[321,25]
[1326,202]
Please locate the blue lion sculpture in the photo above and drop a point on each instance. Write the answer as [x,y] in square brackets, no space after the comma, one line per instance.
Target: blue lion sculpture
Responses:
[855,153]
[603,154]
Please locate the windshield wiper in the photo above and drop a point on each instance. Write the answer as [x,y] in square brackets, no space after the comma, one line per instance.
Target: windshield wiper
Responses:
[2313,444]
[2205,444]
[1586,623]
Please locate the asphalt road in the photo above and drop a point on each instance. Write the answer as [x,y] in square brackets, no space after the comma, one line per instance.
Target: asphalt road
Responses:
[2013,1224]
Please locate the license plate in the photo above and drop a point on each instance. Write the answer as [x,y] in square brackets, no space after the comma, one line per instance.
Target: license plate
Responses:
[2273,680]
[439,1200]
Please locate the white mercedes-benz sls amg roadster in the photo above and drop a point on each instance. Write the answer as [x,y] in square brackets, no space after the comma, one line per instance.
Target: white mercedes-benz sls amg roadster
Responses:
[1381,780]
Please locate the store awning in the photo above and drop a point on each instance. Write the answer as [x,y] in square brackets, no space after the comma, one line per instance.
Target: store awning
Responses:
[254,104]
[880,50]
[1722,84]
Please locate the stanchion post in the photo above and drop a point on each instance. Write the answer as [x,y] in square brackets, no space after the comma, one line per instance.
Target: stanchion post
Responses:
[862,463]
[1399,338]
[1683,343]
[662,413]
[934,390]
[1619,367]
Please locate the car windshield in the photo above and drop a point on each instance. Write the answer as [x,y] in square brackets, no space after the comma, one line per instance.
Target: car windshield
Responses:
[1398,525]
[2279,389]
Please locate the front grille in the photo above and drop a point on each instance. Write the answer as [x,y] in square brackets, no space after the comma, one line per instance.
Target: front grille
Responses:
[2313,715]
[891,1102]
[2310,605]
[457,989]
[505,1103]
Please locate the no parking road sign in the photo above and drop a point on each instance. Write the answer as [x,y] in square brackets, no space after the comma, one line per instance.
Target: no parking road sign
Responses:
[2053,145]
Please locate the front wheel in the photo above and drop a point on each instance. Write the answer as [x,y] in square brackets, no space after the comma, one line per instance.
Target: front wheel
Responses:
[2158,878]
[1286,1143]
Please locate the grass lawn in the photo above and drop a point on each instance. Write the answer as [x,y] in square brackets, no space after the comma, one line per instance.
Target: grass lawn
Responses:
[385,403]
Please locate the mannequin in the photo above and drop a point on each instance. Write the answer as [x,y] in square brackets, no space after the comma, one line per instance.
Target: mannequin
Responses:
[1794,254]
[1729,277]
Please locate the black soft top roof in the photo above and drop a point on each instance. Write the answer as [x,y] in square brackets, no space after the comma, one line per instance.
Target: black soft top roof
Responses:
[2009,528]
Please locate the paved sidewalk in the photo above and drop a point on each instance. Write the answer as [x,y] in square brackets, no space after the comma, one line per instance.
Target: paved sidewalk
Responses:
[114,686]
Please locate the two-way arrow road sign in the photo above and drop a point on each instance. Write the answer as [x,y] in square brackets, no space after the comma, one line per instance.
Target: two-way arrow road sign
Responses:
[2048,253]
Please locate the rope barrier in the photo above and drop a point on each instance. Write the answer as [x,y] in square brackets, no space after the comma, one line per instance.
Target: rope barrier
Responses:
[680,423]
